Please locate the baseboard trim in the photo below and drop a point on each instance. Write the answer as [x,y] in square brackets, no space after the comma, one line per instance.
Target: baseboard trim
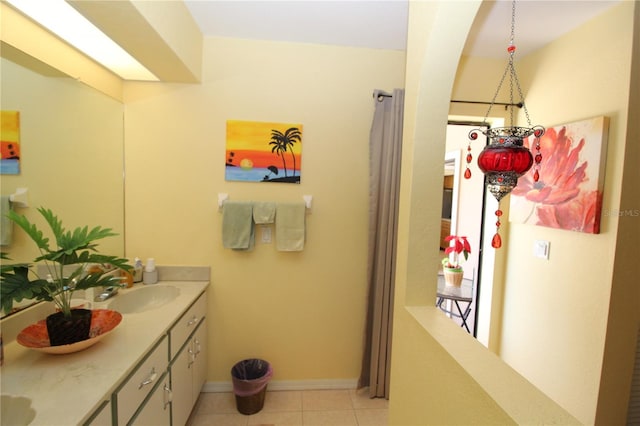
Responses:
[284,385]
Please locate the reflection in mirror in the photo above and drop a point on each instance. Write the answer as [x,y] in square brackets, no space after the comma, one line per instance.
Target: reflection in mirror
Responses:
[71,155]
[451,186]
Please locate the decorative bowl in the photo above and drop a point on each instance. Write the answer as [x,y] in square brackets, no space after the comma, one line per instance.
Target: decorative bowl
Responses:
[35,336]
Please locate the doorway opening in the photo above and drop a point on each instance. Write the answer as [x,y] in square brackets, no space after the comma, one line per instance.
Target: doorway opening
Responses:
[463,211]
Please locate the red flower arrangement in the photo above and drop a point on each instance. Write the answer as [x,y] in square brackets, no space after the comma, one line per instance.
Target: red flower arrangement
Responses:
[460,246]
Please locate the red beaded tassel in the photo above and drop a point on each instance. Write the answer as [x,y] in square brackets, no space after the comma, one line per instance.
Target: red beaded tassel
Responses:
[538,157]
[496,241]
[467,172]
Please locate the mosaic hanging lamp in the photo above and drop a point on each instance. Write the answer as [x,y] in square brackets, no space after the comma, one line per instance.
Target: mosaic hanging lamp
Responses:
[506,158]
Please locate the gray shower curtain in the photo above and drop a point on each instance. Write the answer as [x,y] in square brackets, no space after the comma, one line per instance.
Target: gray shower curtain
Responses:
[385,148]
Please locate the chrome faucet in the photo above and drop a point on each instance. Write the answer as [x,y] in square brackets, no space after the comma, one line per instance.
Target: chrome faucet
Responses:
[106,293]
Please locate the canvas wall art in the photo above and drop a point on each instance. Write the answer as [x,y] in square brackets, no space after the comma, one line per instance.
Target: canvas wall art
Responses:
[568,194]
[10,142]
[263,152]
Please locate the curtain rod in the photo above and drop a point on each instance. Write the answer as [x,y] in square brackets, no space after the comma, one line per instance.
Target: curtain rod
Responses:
[519,104]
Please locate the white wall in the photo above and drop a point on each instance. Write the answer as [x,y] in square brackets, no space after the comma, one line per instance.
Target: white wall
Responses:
[470,193]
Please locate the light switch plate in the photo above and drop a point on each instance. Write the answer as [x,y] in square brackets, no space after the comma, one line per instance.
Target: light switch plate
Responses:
[266,234]
[541,249]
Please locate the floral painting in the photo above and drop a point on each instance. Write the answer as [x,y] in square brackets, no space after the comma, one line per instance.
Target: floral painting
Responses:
[263,152]
[568,194]
[10,143]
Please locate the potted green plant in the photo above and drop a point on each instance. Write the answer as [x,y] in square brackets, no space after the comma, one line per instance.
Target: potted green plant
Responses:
[65,264]
[451,267]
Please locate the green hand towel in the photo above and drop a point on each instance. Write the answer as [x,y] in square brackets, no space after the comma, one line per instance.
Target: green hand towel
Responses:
[237,225]
[290,226]
[264,212]
[6,225]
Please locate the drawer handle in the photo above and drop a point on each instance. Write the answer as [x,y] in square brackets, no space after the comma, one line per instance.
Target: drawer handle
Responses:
[192,321]
[192,358]
[152,377]
[198,347]
[168,396]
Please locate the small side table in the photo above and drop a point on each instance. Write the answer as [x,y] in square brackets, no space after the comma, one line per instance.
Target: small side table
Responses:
[463,294]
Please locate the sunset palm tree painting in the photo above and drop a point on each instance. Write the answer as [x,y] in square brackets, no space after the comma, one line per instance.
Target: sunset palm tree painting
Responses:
[263,151]
[568,194]
[10,143]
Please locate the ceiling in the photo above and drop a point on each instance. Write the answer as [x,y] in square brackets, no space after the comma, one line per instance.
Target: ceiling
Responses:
[382,24]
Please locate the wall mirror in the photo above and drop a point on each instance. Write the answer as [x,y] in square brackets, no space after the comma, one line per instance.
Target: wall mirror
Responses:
[71,153]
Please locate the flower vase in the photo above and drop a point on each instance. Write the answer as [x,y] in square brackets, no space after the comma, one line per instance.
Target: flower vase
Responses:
[453,276]
[64,330]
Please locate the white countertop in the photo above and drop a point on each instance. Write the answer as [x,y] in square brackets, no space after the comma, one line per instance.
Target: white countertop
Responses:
[66,389]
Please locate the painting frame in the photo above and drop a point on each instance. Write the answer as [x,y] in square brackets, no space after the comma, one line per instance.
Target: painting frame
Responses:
[259,151]
[568,194]
[9,142]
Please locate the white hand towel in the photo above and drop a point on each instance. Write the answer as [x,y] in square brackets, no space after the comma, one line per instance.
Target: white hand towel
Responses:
[237,225]
[290,226]
[264,212]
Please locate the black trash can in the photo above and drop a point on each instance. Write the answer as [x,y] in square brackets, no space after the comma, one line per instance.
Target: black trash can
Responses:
[250,378]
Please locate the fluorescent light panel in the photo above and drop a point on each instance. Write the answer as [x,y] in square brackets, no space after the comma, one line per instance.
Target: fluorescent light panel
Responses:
[67,23]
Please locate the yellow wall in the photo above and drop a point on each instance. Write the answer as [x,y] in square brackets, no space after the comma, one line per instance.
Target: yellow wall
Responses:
[22,33]
[476,80]
[623,324]
[555,311]
[71,140]
[304,312]
[554,332]
[440,374]
[162,36]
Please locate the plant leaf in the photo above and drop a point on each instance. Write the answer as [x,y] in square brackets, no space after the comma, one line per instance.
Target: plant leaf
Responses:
[16,286]
[36,235]
[73,247]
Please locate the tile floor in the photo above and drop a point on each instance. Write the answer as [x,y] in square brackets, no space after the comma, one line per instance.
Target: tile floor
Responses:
[285,408]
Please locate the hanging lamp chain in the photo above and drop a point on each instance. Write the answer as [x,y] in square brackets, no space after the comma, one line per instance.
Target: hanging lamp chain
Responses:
[513,77]
[511,49]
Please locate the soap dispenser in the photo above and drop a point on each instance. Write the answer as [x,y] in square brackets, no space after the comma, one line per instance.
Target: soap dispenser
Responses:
[150,274]
[137,270]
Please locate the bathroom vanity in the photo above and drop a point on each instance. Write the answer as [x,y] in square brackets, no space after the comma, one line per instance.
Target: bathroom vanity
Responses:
[148,370]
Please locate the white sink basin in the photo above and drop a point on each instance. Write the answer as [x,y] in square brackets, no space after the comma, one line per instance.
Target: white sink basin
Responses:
[143,299]
[16,410]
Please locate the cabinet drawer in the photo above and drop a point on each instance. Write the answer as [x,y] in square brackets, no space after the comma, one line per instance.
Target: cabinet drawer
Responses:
[130,395]
[183,328]
[156,410]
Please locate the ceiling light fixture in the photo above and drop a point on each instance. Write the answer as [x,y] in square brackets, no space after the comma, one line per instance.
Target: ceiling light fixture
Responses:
[506,158]
[64,21]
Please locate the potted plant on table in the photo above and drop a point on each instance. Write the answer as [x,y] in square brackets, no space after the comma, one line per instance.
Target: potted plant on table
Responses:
[451,267]
[66,265]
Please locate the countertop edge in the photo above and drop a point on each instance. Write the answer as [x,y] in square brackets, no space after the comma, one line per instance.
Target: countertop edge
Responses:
[106,365]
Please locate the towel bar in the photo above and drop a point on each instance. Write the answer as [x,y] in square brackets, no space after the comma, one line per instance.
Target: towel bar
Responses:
[223,196]
[20,198]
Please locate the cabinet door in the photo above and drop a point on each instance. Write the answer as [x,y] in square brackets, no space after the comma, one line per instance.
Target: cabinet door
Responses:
[181,384]
[188,374]
[102,416]
[199,343]
[156,411]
